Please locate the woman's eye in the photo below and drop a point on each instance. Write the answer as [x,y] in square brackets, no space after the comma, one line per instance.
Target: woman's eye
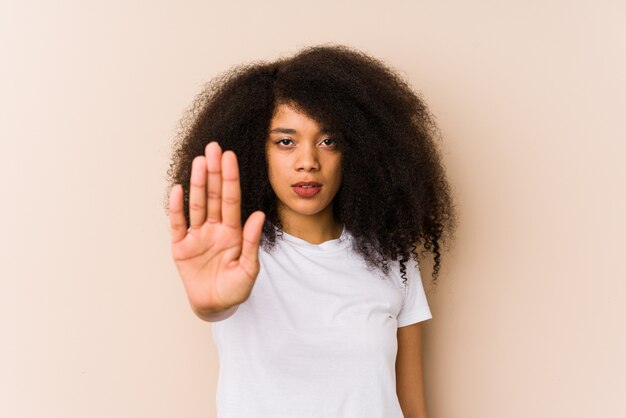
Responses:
[285,141]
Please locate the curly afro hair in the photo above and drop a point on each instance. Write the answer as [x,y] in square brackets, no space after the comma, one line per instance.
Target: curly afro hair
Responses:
[394,197]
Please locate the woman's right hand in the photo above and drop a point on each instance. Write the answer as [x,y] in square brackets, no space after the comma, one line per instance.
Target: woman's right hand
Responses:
[217,261]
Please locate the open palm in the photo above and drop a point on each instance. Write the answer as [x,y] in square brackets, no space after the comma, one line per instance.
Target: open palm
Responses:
[217,260]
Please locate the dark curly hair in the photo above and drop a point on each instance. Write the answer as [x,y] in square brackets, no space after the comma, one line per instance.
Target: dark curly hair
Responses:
[394,196]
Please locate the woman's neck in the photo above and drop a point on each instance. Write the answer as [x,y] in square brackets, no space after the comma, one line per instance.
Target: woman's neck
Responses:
[313,229]
[316,235]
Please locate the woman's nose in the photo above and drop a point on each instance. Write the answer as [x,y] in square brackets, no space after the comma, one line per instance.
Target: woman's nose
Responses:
[307,158]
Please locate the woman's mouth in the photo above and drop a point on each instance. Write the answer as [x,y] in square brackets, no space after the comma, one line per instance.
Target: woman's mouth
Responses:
[307,191]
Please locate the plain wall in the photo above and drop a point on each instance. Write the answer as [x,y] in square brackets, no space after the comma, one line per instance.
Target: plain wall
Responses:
[529,318]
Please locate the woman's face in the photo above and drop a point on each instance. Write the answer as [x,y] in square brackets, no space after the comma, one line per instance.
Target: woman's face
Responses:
[297,151]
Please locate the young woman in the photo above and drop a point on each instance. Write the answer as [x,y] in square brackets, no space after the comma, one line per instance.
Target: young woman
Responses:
[328,159]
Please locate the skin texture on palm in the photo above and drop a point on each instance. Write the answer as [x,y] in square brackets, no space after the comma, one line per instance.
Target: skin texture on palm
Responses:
[216,260]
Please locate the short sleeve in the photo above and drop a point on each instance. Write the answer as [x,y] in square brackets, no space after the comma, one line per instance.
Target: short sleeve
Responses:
[415,305]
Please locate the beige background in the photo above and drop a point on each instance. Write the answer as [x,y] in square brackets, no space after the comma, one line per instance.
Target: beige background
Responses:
[530,316]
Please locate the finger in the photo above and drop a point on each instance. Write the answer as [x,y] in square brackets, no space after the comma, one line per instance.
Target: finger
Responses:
[197,192]
[213,153]
[178,224]
[231,192]
[252,231]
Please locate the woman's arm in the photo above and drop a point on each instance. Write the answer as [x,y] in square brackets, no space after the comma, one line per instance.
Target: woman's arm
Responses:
[409,374]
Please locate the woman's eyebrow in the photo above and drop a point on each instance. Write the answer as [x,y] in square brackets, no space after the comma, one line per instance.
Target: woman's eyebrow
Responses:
[284,130]
[293,131]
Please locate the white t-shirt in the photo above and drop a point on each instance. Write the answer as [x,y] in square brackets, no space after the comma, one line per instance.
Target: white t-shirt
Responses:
[317,338]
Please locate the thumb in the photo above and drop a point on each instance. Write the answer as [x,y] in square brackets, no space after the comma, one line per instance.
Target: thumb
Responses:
[252,231]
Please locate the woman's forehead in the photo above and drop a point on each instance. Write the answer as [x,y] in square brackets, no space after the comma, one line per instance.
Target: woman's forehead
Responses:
[288,119]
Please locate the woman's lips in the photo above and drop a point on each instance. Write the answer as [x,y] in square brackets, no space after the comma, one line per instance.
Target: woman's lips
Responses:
[307,191]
